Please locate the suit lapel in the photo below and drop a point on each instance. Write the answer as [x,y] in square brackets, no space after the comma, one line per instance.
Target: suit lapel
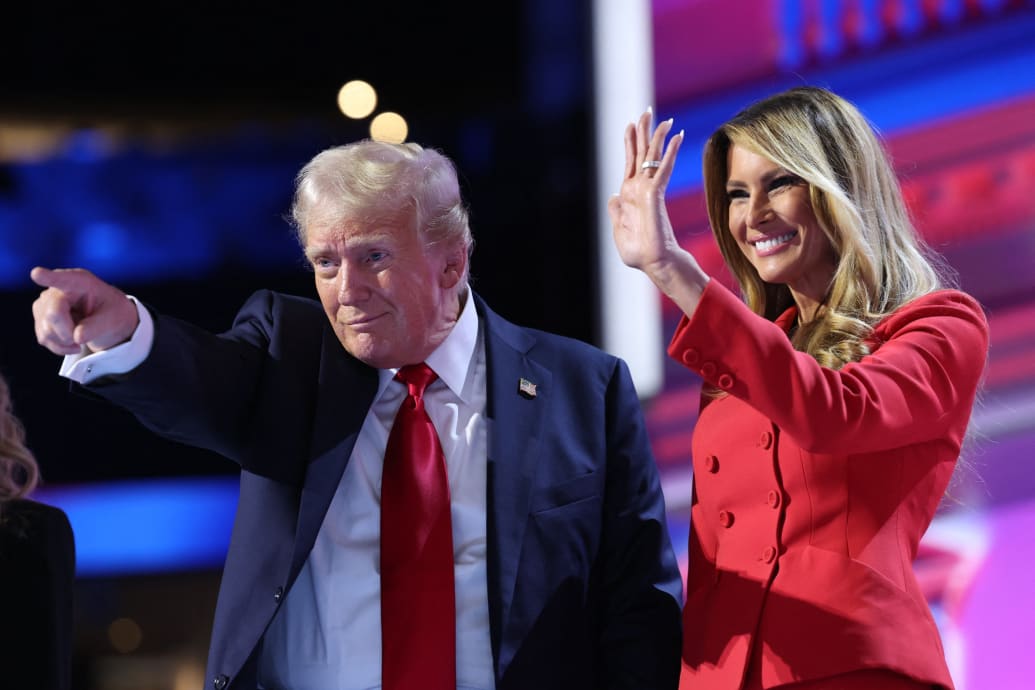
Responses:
[515,430]
[346,390]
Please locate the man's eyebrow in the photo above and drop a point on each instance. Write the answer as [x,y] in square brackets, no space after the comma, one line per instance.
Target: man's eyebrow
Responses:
[385,239]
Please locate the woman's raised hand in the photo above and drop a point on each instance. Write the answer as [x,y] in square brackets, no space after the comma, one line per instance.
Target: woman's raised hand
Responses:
[642,231]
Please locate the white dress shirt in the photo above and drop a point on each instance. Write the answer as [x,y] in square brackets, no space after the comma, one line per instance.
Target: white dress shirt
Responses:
[327,632]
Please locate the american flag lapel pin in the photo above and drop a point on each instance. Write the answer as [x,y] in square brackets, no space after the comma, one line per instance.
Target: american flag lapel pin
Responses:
[526,388]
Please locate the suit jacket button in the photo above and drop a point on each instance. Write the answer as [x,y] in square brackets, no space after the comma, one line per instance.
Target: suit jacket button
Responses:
[725,518]
[766,440]
[711,464]
[774,499]
[278,594]
[691,357]
[708,370]
[769,555]
[220,681]
[725,382]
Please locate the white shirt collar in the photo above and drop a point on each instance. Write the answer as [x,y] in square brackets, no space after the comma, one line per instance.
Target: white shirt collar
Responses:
[452,359]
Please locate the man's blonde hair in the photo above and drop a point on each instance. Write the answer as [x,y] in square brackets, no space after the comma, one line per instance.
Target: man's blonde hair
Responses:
[399,185]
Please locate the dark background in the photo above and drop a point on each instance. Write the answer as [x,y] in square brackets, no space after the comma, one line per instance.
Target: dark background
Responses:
[502,88]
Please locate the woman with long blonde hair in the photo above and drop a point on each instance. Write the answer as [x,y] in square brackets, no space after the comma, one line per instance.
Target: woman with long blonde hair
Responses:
[837,391]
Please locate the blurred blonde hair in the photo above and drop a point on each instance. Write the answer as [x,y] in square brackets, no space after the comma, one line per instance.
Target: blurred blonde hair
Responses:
[882,262]
[19,472]
[398,185]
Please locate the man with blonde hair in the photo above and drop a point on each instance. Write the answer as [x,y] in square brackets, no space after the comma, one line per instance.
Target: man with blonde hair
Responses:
[431,496]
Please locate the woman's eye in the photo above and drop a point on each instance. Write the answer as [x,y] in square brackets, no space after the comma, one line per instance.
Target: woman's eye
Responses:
[784,181]
[732,194]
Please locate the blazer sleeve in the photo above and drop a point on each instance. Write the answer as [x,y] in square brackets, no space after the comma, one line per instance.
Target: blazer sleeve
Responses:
[641,634]
[197,387]
[918,383]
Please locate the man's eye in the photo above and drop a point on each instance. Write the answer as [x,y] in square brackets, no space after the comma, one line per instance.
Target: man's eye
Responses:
[375,257]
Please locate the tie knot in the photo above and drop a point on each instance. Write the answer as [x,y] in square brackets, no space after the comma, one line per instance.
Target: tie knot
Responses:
[417,377]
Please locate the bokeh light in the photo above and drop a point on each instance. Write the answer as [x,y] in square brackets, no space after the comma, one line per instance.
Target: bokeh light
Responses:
[357,99]
[390,127]
[125,635]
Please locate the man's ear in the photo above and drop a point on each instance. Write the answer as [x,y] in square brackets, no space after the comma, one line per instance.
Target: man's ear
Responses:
[454,269]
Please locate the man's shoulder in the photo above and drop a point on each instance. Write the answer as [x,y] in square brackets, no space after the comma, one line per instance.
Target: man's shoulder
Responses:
[273,306]
[542,344]
[268,317]
[570,346]
[283,300]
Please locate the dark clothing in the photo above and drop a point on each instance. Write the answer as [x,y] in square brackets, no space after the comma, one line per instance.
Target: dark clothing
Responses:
[584,588]
[37,574]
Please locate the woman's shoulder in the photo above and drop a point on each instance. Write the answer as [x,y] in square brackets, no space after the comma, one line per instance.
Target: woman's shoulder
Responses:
[947,302]
[946,296]
[31,522]
[28,509]
[949,311]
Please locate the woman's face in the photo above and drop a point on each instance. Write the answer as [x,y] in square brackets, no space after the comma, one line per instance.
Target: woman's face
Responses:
[772,221]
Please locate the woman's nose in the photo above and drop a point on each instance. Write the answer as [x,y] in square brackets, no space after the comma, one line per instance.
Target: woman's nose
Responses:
[760,210]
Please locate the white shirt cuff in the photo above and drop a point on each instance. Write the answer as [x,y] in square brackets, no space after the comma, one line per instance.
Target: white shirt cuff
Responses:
[87,366]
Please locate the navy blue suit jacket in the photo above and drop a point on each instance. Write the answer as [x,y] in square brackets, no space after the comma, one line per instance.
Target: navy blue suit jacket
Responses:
[584,589]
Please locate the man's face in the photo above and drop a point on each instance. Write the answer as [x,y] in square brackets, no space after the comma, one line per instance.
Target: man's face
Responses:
[390,299]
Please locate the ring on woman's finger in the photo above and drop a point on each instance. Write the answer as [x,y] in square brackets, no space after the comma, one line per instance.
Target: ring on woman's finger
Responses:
[646,165]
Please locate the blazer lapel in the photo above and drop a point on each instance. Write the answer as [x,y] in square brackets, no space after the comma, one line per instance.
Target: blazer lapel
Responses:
[346,390]
[516,414]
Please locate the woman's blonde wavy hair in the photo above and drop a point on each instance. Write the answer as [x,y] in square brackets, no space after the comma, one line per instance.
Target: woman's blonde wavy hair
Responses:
[882,263]
[19,472]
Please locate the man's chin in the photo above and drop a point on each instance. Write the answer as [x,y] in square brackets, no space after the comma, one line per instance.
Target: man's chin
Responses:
[369,349]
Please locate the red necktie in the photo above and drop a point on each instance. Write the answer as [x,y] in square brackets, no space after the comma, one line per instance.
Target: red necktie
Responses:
[418,610]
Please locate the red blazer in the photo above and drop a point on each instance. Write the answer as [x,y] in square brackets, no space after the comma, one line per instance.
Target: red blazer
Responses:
[812,488]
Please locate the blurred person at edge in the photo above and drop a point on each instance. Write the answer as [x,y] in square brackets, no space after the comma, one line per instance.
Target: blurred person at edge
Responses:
[37,570]
[836,395]
[565,576]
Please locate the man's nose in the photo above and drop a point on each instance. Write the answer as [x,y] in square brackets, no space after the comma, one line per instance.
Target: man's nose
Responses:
[351,286]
